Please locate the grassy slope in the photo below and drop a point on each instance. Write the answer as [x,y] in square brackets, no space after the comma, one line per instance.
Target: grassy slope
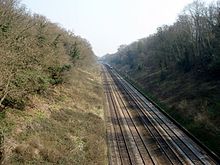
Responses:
[64,127]
[192,101]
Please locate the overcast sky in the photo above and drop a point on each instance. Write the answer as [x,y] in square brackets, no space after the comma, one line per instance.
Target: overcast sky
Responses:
[106,24]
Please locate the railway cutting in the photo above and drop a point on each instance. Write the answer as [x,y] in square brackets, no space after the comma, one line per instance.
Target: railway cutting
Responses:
[139,133]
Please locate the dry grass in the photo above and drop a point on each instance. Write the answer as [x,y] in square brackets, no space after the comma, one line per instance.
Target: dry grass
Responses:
[64,127]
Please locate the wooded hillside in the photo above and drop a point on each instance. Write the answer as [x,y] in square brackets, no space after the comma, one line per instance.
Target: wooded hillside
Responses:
[51,107]
[192,43]
[34,53]
[179,66]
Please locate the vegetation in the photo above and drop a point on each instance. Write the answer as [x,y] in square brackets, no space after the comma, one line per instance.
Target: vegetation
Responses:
[64,127]
[51,108]
[34,53]
[179,65]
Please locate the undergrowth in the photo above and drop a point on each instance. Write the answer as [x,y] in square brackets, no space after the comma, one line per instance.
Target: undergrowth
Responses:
[66,126]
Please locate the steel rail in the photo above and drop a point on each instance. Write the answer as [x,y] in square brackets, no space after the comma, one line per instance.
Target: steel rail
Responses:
[189,149]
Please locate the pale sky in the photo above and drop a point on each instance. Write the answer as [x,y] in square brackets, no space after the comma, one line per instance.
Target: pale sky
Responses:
[107,24]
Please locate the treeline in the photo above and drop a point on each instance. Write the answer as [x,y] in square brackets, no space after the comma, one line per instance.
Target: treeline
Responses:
[179,68]
[192,43]
[34,53]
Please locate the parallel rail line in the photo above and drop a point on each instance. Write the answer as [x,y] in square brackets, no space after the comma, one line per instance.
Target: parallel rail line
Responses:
[139,133]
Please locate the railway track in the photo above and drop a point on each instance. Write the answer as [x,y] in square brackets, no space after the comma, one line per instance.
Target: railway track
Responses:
[139,133]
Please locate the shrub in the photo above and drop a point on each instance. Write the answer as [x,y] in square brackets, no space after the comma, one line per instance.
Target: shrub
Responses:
[56,73]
